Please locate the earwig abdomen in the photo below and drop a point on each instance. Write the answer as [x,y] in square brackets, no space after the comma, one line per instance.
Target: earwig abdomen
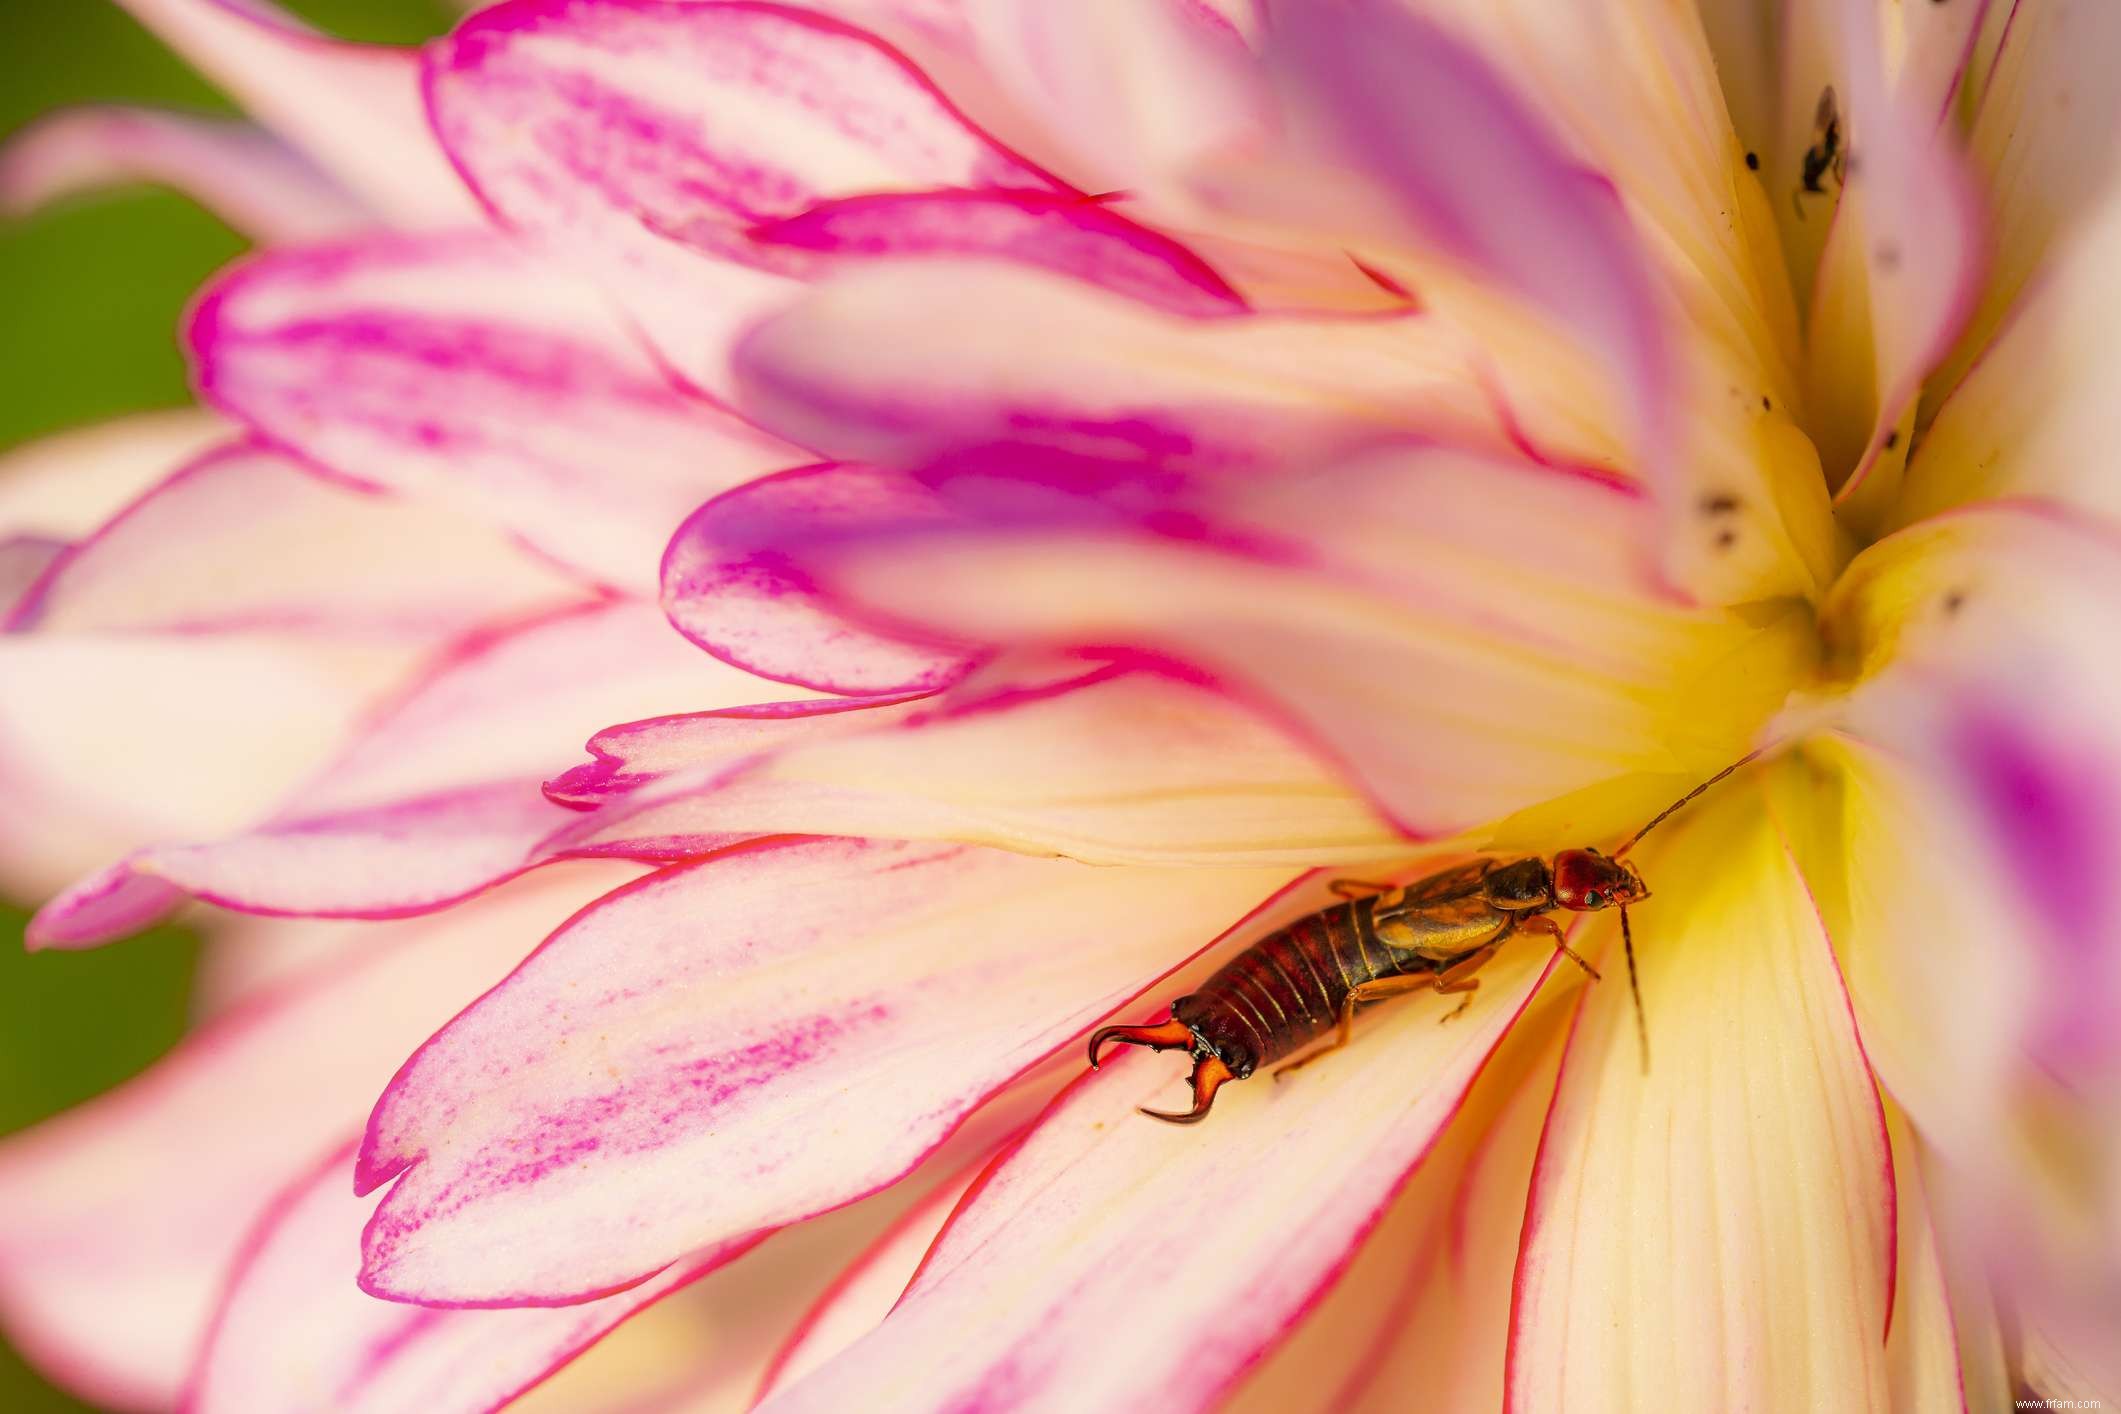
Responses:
[1286,990]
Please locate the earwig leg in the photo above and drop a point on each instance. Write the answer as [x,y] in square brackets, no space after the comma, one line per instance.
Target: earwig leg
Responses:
[1209,1075]
[1375,990]
[1552,929]
[1458,977]
[1165,1036]
[1358,888]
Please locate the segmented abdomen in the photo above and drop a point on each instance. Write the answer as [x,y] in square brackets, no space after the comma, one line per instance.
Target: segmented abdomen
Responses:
[1285,991]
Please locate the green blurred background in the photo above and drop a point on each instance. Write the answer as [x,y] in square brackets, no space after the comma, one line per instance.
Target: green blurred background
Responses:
[90,293]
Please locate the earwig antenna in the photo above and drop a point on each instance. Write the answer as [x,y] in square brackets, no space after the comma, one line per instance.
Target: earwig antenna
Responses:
[1627,934]
[1664,814]
[1642,1025]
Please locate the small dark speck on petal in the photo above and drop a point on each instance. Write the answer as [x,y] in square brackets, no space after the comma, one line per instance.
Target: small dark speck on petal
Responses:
[1892,439]
[1726,539]
[1752,162]
[1888,256]
[1718,503]
[1954,602]
[1767,404]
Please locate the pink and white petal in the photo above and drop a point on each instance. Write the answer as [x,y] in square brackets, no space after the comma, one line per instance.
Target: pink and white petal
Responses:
[353,108]
[1420,621]
[65,486]
[310,557]
[296,1334]
[246,177]
[1070,235]
[640,141]
[124,1214]
[635,755]
[111,740]
[865,1292]
[1106,376]
[440,796]
[766,618]
[1922,1350]
[1069,1278]
[547,1145]
[2043,145]
[1422,1315]
[1735,1199]
[1127,768]
[23,561]
[1136,90]
[1472,170]
[2035,415]
[1897,278]
[459,369]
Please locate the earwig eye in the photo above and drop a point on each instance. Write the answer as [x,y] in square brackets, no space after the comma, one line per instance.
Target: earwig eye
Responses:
[1594,899]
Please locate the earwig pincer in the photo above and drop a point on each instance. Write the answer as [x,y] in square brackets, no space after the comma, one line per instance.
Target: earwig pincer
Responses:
[1294,985]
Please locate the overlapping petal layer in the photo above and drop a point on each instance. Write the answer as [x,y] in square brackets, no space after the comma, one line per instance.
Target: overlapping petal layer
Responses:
[247,178]
[1451,630]
[124,1216]
[642,140]
[355,109]
[1120,768]
[1069,1278]
[440,796]
[458,369]
[289,1338]
[1719,1228]
[803,1020]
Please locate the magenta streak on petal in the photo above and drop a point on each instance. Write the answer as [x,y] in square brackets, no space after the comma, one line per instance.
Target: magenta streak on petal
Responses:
[1885,1137]
[1229,1377]
[514,1352]
[1086,240]
[713,182]
[114,903]
[1479,173]
[24,560]
[2050,812]
[374,1166]
[753,608]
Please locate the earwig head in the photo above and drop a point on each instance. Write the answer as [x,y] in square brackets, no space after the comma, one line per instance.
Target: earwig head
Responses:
[1586,881]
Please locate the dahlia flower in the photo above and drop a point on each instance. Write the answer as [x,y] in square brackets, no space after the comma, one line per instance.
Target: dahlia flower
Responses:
[1019,499]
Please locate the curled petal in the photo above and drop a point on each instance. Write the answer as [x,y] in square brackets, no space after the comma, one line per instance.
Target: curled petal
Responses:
[1897,279]
[460,370]
[1106,376]
[1115,768]
[2046,166]
[125,1214]
[761,615]
[1070,235]
[1478,174]
[353,108]
[643,140]
[1757,1271]
[250,180]
[1353,607]
[316,558]
[440,797]
[547,1145]
[634,755]
[1063,1278]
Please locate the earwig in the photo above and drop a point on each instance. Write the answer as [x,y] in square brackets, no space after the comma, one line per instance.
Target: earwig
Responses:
[1296,984]
[1826,153]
